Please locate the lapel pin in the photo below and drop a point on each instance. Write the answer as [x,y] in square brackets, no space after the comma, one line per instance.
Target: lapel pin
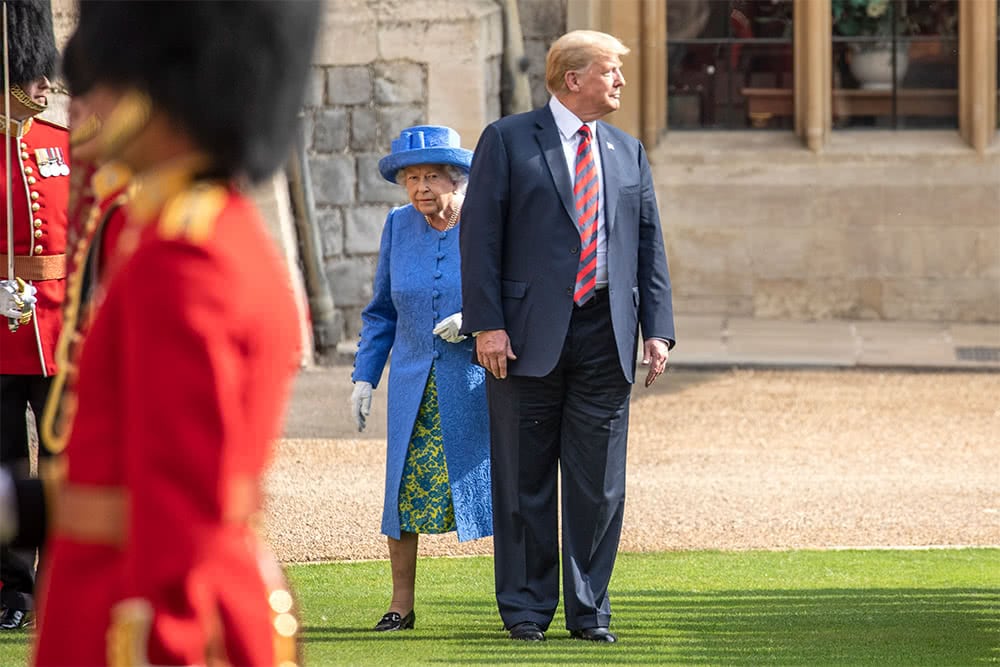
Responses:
[611,146]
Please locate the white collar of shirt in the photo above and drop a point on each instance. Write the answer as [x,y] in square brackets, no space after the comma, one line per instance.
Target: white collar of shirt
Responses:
[567,122]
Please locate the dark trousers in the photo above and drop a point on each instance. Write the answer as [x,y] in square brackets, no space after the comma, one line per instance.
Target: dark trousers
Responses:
[573,421]
[17,392]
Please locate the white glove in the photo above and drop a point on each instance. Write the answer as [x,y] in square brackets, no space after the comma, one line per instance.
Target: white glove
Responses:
[361,403]
[449,327]
[17,299]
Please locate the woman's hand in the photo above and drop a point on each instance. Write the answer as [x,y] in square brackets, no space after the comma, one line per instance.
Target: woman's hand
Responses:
[449,327]
[361,403]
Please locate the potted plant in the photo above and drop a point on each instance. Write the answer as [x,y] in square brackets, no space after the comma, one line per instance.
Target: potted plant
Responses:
[871,60]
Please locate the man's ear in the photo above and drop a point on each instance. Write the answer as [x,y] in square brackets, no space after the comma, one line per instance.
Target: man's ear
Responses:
[572,80]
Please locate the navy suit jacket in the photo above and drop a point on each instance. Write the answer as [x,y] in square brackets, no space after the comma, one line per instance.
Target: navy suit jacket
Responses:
[520,245]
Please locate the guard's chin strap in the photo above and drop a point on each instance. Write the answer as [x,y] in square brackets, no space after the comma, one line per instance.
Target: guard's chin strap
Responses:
[31,105]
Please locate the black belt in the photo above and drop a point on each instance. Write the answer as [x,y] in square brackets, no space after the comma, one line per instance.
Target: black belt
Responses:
[600,296]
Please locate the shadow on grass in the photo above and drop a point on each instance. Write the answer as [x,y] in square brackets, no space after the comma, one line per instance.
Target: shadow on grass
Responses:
[825,626]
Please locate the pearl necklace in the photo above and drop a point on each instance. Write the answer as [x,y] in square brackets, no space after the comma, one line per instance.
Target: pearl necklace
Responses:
[452,221]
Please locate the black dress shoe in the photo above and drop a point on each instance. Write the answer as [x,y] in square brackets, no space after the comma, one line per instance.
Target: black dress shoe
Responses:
[14,619]
[528,631]
[594,635]
[393,621]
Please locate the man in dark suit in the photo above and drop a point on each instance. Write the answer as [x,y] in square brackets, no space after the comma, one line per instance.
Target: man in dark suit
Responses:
[562,262]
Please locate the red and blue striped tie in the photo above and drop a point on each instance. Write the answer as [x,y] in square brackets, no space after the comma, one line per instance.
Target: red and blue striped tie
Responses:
[585,197]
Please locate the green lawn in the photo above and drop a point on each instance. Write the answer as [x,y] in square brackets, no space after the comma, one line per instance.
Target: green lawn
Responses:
[937,607]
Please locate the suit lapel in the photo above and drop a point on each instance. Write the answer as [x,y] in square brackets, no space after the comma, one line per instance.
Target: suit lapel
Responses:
[611,168]
[548,139]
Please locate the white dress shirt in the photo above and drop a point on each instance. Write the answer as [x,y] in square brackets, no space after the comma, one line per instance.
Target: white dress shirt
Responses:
[569,127]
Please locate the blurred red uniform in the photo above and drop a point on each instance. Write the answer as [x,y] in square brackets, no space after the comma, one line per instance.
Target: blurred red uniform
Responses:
[159,491]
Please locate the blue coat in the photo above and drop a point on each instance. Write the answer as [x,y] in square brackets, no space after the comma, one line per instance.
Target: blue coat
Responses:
[417,284]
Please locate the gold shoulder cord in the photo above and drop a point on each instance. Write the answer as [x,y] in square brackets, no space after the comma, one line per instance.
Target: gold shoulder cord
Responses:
[192,213]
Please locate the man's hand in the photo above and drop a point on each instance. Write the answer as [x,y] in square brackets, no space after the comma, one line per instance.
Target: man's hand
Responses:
[361,403]
[493,351]
[449,327]
[655,353]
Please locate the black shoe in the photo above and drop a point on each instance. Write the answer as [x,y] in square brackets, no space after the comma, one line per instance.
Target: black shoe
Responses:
[393,621]
[594,635]
[14,619]
[528,631]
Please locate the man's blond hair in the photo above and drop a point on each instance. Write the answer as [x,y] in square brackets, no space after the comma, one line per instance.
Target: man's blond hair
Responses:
[575,51]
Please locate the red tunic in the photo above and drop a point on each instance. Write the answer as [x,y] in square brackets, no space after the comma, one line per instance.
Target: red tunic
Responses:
[40,195]
[183,381]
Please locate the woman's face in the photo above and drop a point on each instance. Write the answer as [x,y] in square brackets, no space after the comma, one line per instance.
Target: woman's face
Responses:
[429,187]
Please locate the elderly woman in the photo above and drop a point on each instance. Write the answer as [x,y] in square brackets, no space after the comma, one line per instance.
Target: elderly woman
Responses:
[437,476]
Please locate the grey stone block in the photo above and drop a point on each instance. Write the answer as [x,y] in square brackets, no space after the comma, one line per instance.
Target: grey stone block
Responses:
[372,187]
[399,82]
[393,120]
[541,18]
[330,131]
[351,280]
[363,229]
[364,130]
[330,224]
[333,179]
[349,85]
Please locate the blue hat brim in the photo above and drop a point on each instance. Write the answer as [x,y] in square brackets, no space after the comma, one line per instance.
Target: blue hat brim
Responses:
[456,157]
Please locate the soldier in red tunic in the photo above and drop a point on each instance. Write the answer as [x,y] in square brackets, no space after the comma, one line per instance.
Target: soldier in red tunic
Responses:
[37,187]
[185,370]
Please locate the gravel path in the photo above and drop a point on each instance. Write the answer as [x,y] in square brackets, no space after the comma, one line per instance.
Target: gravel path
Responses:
[738,459]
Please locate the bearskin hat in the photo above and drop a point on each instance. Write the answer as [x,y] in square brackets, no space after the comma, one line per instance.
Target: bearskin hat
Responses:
[31,43]
[232,73]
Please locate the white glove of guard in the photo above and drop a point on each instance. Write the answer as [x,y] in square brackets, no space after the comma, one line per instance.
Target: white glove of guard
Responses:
[17,299]
[361,403]
[449,327]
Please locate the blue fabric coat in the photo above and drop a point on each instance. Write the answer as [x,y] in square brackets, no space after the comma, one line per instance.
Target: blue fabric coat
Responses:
[417,284]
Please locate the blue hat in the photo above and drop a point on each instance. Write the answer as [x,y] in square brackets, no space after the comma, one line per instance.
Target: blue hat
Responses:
[424,144]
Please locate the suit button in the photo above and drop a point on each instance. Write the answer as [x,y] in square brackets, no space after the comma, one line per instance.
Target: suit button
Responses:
[575,249]
[569,290]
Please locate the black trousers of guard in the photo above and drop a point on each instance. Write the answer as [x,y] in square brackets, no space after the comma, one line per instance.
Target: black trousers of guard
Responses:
[572,422]
[17,392]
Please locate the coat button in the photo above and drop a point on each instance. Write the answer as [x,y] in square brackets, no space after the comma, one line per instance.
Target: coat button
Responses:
[437,355]
[434,314]
[25,155]
[29,171]
[440,255]
[38,233]
[32,180]
[34,196]
[24,146]
[38,249]
[37,222]
[437,274]
[435,294]
[35,207]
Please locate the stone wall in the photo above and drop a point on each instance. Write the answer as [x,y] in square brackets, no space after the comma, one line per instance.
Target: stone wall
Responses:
[384,65]
[882,225]
[542,22]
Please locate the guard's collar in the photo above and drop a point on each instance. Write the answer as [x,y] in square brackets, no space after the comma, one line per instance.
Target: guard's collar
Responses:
[15,128]
[155,187]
